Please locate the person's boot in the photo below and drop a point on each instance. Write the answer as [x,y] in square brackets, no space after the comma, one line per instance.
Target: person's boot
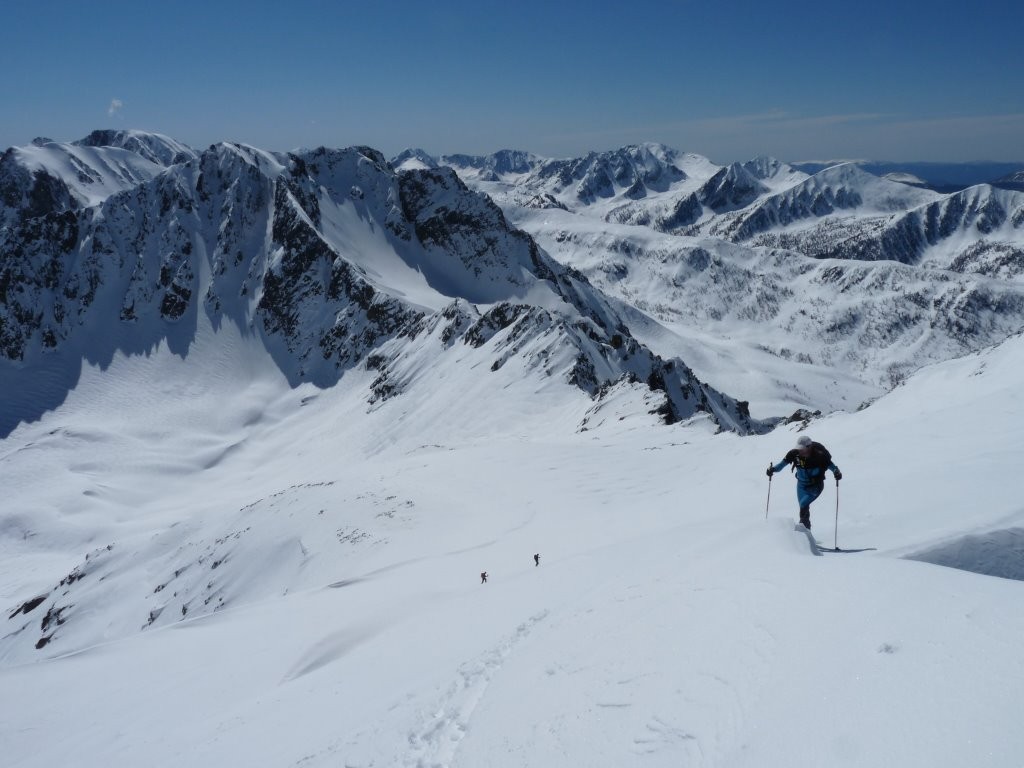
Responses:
[805,518]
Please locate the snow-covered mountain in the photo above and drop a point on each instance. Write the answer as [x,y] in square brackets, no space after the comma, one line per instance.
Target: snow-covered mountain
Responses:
[155,147]
[845,190]
[493,167]
[740,184]
[330,257]
[731,188]
[267,418]
[861,279]
[941,177]
[1014,181]
[598,179]
[413,159]
[48,177]
[124,240]
[953,232]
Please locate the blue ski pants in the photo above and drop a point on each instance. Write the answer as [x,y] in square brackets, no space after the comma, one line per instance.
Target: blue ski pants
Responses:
[806,494]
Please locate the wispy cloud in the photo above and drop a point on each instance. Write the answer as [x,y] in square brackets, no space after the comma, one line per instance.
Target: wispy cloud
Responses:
[115,107]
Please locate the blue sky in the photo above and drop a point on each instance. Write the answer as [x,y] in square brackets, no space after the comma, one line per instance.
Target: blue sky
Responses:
[799,80]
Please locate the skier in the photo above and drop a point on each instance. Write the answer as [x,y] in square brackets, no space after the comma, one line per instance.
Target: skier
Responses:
[810,460]
[483,577]
[536,560]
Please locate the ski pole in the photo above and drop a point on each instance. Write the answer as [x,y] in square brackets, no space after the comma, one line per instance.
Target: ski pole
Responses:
[769,494]
[835,542]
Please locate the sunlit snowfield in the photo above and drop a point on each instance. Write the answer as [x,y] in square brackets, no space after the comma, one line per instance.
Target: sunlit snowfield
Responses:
[281,577]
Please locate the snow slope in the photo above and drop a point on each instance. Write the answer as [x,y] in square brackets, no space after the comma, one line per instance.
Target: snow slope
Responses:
[327,559]
[267,418]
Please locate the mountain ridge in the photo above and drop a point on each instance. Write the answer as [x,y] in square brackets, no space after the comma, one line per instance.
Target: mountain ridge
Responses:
[325,255]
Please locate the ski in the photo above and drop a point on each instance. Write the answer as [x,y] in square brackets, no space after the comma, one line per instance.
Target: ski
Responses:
[819,549]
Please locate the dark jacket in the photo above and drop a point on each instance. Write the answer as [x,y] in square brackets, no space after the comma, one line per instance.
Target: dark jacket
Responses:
[810,470]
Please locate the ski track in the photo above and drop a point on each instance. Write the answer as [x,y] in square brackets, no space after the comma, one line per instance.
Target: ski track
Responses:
[435,743]
[661,735]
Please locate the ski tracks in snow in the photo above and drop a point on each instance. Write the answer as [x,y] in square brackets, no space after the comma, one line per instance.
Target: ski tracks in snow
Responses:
[434,744]
[661,735]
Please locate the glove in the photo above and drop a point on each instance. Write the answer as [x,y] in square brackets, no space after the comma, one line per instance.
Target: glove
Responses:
[770,472]
[838,474]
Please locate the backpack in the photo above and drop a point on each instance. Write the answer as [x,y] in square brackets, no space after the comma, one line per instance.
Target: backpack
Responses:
[820,457]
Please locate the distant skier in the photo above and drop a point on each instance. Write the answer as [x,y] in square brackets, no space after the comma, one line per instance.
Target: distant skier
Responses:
[483,577]
[810,460]
[536,560]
